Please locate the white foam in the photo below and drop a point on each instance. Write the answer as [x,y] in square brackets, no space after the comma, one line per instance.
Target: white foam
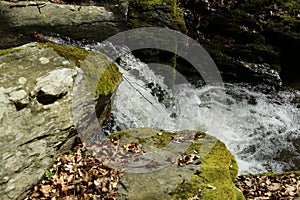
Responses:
[260,130]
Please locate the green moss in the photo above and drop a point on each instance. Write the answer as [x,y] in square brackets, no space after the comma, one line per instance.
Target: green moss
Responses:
[146,13]
[220,58]
[264,48]
[149,4]
[140,10]
[290,5]
[117,134]
[239,194]
[148,136]
[141,140]
[216,180]
[187,190]
[264,53]
[177,18]
[217,50]
[109,80]
[193,147]
[163,139]
[7,51]
[219,169]
[101,80]
[69,52]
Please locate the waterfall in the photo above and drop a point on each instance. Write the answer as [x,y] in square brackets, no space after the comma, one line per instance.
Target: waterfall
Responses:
[262,130]
[261,126]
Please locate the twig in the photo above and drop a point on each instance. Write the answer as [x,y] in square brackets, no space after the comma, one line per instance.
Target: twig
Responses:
[139,92]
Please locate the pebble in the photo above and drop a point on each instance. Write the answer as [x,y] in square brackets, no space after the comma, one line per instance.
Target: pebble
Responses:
[22,80]
[44,60]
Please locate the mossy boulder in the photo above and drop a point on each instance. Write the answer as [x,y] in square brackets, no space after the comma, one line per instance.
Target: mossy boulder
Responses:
[210,174]
[37,87]
[155,13]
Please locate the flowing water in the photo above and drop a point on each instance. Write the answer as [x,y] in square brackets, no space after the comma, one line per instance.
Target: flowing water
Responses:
[259,125]
[261,129]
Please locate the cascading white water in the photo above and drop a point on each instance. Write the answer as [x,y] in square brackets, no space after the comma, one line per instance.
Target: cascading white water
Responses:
[261,130]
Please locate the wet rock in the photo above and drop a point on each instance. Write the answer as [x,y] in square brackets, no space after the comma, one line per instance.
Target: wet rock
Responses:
[37,83]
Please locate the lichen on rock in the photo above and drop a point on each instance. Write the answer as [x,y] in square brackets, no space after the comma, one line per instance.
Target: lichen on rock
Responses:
[36,109]
[75,54]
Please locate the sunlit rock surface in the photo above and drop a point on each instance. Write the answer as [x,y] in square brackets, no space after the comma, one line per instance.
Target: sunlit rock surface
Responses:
[36,114]
[21,19]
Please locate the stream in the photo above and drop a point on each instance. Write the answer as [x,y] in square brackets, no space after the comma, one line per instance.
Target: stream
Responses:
[261,126]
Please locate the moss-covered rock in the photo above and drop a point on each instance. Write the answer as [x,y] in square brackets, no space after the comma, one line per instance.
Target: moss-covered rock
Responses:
[71,53]
[155,13]
[94,23]
[209,175]
[109,81]
[6,51]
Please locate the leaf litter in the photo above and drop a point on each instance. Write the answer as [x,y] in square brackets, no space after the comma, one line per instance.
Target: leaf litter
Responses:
[77,175]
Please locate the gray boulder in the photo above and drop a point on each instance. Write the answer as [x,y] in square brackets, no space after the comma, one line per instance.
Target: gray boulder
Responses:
[37,119]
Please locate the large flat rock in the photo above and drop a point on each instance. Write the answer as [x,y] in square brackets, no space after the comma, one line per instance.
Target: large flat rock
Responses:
[171,165]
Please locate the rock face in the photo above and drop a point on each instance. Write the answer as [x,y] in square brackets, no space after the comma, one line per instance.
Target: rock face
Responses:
[36,119]
[240,35]
[90,21]
[155,13]
[94,23]
[179,165]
